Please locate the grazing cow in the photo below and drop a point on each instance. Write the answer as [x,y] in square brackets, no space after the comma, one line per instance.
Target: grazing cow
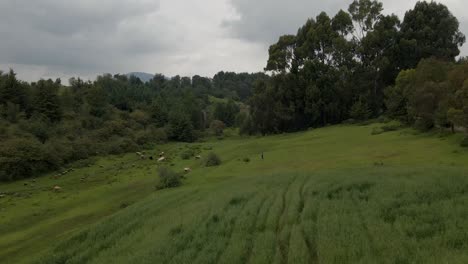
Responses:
[142,157]
[187,170]
[198,157]
[2,196]
[138,153]
[57,189]
[161,159]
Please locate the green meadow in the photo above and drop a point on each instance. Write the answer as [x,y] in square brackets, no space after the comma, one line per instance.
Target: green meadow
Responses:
[332,195]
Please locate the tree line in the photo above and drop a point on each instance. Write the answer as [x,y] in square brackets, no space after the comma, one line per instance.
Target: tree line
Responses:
[339,68]
[46,125]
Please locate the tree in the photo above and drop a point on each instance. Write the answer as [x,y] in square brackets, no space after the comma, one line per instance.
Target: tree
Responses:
[21,158]
[13,91]
[396,97]
[46,101]
[429,30]
[226,112]
[281,54]
[180,128]
[217,127]
[360,111]
[96,98]
[365,13]
[141,118]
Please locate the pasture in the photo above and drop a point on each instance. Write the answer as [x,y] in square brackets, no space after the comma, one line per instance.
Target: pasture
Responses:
[331,195]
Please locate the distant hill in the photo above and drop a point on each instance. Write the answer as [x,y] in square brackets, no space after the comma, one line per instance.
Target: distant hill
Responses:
[144,77]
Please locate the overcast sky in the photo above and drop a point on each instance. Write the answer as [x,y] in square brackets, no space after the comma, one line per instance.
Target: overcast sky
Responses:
[64,38]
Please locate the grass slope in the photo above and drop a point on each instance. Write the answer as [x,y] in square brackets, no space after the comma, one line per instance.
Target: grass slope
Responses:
[333,195]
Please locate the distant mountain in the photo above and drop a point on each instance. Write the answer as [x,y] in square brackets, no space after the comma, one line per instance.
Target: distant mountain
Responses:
[144,77]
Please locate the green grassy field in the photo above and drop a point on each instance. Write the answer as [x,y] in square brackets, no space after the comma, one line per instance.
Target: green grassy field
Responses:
[331,195]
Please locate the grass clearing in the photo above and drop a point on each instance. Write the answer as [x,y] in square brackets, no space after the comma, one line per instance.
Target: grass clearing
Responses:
[332,195]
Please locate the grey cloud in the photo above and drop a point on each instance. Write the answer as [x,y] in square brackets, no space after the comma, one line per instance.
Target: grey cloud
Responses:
[62,38]
[78,36]
[263,21]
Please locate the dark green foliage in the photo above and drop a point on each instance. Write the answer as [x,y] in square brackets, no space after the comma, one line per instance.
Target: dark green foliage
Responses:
[21,158]
[217,127]
[187,154]
[212,160]
[247,127]
[337,68]
[394,126]
[111,115]
[46,101]
[180,128]
[360,111]
[432,95]
[226,112]
[168,178]
[464,142]
[235,86]
[429,30]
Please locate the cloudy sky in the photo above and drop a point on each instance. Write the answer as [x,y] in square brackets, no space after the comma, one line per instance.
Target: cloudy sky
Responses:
[64,38]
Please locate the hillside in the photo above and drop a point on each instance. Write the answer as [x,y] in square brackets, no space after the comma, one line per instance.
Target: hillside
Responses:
[331,195]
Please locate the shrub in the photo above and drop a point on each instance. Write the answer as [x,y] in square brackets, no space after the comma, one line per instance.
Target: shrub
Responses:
[424,124]
[217,127]
[360,111]
[212,160]
[160,135]
[168,178]
[464,142]
[394,126]
[143,137]
[21,158]
[246,160]
[187,154]
[377,131]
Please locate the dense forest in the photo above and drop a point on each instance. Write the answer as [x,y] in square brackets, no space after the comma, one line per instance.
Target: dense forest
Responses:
[356,65]
[46,125]
[338,68]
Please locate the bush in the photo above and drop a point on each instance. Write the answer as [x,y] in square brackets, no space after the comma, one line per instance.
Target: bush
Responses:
[187,154]
[168,178]
[360,111]
[424,124]
[21,158]
[246,160]
[393,126]
[464,142]
[212,160]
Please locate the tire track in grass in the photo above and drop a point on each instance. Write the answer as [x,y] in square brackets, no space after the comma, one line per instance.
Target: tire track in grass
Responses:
[301,200]
[364,227]
[297,249]
[252,232]
[201,240]
[283,244]
[234,210]
[90,243]
[265,242]
[310,242]
[237,245]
